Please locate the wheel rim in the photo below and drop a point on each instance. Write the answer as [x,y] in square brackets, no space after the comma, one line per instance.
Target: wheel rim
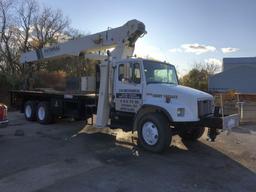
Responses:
[41,113]
[150,133]
[28,111]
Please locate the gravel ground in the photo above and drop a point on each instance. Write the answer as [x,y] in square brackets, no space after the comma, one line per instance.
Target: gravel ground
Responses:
[69,156]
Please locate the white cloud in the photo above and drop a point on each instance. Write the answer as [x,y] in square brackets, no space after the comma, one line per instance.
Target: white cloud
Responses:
[193,48]
[148,51]
[197,48]
[213,61]
[229,50]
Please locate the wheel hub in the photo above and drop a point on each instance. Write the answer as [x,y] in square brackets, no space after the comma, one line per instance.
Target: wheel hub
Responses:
[28,111]
[41,113]
[150,133]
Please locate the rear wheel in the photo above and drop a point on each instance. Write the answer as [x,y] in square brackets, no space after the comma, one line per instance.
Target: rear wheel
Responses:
[154,133]
[30,111]
[44,115]
[191,134]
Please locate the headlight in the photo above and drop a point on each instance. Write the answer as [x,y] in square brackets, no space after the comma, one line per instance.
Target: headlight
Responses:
[180,112]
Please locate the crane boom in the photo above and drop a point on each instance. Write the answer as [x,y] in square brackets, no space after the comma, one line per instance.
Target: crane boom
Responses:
[121,37]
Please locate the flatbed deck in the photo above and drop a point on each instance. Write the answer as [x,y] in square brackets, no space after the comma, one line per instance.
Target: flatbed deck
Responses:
[61,103]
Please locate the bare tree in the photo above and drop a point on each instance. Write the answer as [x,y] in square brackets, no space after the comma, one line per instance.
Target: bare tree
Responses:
[73,33]
[210,68]
[26,15]
[49,25]
[23,27]
[4,7]
[8,37]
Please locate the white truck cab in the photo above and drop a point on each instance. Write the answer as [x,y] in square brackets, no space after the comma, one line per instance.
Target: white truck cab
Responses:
[140,82]
[147,96]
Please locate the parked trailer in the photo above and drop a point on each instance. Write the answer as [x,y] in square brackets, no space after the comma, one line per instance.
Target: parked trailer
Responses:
[46,106]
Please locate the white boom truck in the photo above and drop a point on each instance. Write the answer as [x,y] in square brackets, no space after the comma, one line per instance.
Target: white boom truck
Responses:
[134,94]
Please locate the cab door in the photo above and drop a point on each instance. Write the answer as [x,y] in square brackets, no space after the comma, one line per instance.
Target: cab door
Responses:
[128,87]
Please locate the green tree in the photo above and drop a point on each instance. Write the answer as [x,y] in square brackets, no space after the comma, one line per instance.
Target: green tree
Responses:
[197,79]
[198,76]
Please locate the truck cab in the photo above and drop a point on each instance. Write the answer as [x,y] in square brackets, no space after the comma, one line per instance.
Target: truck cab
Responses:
[147,96]
[139,83]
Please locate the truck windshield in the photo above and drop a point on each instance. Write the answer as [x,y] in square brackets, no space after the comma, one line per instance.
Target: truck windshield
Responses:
[156,72]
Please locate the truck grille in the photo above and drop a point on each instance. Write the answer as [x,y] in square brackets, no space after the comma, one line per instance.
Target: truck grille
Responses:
[204,107]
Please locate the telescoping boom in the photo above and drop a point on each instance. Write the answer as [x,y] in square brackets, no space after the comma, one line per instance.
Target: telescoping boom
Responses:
[122,42]
[122,39]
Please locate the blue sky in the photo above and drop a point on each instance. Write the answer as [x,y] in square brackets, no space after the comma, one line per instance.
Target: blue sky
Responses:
[181,32]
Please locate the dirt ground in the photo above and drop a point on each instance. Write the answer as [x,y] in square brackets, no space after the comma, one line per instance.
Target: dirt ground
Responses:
[69,156]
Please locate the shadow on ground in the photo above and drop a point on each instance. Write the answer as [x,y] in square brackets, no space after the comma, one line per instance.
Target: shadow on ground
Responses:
[194,166]
[122,166]
[246,129]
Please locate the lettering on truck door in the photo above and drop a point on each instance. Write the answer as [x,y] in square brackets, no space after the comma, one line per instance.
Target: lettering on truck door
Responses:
[128,89]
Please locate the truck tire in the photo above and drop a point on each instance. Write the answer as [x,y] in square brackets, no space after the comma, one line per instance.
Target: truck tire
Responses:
[154,132]
[191,134]
[44,115]
[30,110]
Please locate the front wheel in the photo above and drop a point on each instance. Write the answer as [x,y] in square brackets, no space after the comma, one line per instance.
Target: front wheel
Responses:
[154,132]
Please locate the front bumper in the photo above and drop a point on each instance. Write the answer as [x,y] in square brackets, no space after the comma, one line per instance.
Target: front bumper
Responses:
[214,123]
[226,122]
